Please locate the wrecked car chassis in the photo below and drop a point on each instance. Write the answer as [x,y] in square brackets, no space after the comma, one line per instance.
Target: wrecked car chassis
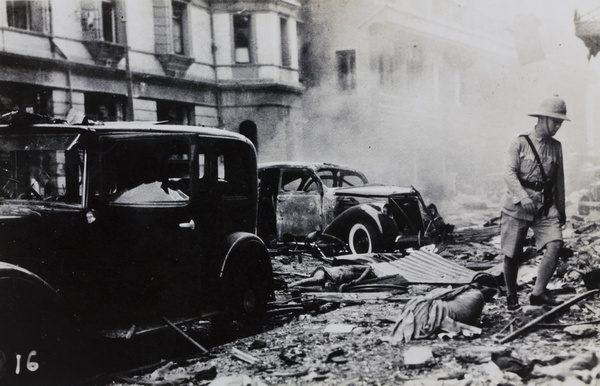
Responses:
[298,198]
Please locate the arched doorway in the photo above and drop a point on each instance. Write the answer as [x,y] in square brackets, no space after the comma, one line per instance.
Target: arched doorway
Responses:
[248,129]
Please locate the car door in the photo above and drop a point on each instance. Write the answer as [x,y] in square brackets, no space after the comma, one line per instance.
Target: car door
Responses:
[299,203]
[147,222]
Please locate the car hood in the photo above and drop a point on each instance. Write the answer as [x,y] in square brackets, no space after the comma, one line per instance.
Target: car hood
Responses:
[374,191]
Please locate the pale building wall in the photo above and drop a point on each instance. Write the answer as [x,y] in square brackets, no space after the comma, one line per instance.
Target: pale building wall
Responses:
[145,109]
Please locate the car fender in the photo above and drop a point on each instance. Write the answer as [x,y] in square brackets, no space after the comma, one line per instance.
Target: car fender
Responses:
[244,245]
[340,226]
[38,326]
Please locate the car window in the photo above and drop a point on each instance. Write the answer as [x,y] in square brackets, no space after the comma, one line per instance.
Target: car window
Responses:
[48,167]
[335,178]
[234,172]
[298,181]
[327,177]
[147,172]
[351,179]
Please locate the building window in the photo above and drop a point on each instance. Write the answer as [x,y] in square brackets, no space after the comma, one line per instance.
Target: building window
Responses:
[178,27]
[28,15]
[241,38]
[105,107]
[175,113]
[108,21]
[31,99]
[346,65]
[285,43]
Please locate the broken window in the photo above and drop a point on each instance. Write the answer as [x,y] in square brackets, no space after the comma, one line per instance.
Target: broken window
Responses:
[46,169]
[37,100]
[335,178]
[147,172]
[298,181]
[31,15]
[175,113]
[346,65]
[242,38]
[105,107]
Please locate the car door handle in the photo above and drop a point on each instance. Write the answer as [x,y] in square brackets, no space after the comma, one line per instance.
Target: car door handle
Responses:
[188,225]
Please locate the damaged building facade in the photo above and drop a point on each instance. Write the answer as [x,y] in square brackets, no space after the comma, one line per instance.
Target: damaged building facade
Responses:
[429,93]
[219,63]
[401,90]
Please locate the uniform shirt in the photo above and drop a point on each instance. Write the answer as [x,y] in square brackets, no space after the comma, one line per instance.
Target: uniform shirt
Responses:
[520,163]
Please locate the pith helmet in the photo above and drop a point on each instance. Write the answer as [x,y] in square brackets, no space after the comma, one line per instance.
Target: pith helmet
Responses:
[552,107]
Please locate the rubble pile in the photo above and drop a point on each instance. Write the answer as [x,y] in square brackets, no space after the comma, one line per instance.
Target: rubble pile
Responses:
[320,335]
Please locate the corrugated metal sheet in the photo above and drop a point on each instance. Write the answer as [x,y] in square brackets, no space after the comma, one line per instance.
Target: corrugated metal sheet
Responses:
[425,267]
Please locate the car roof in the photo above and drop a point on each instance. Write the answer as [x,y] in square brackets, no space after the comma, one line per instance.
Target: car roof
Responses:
[117,128]
[302,164]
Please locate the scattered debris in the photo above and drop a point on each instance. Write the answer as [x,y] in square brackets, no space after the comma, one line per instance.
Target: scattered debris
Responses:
[336,356]
[339,328]
[581,331]
[186,336]
[239,354]
[553,311]
[424,267]
[418,356]
[479,354]
[237,380]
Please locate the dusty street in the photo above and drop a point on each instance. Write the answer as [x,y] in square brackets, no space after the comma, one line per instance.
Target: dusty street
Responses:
[327,341]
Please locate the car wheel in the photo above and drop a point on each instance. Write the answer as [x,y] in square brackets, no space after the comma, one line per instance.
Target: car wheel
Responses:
[583,209]
[247,297]
[364,238]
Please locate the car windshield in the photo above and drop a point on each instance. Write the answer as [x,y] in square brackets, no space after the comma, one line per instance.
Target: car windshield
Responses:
[41,167]
[338,178]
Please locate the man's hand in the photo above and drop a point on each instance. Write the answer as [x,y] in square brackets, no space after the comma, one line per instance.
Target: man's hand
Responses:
[528,205]
[562,219]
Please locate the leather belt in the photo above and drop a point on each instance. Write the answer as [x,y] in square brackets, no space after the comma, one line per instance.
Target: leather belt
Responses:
[537,186]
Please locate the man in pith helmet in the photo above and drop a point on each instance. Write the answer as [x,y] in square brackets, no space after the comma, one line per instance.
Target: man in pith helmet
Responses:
[534,199]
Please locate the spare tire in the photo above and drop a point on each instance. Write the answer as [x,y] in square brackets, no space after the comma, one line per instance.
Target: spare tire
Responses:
[364,237]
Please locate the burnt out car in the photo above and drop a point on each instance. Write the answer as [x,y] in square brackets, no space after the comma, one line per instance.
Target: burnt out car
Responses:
[121,224]
[297,198]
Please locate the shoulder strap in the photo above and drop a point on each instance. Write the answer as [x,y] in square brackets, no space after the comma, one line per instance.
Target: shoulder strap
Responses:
[537,156]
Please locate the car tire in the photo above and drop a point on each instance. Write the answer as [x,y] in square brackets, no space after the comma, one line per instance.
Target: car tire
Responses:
[583,210]
[246,296]
[364,238]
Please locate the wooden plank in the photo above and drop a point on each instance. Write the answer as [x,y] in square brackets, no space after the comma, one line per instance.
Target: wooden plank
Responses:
[552,312]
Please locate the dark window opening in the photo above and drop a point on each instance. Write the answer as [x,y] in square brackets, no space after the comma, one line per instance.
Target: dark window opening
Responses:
[105,107]
[241,38]
[15,96]
[146,172]
[286,60]
[108,21]
[178,27]
[346,64]
[248,129]
[175,113]
[29,15]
